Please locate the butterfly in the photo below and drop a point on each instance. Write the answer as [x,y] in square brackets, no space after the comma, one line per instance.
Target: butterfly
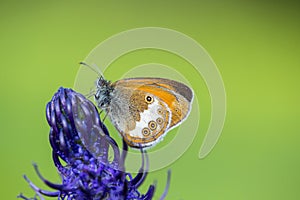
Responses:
[143,110]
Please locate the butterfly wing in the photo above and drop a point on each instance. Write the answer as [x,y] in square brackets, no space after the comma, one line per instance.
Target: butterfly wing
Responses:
[143,109]
[176,95]
[141,123]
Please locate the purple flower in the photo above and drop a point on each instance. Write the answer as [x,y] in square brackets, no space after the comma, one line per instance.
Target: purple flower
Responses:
[78,137]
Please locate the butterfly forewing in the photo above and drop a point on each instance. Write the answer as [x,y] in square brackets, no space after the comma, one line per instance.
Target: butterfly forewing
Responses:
[144,109]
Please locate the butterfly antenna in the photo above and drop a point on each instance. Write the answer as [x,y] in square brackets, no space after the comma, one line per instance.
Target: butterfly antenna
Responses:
[92,68]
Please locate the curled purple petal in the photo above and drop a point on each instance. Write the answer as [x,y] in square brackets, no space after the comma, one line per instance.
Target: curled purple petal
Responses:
[163,196]
[79,138]
[140,177]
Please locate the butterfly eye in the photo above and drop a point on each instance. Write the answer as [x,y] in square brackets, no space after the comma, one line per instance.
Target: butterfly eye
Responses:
[152,125]
[146,131]
[148,99]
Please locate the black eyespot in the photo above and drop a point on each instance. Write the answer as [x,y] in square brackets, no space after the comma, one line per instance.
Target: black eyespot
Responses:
[146,131]
[159,120]
[160,111]
[149,99]
[152,125]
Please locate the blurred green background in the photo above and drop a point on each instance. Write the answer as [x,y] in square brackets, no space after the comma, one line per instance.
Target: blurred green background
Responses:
[255,45]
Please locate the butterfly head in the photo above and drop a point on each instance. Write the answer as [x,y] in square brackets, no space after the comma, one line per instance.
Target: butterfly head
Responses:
[103,92]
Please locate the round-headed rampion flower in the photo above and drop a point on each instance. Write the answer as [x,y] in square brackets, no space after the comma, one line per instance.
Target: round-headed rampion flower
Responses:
[78,137]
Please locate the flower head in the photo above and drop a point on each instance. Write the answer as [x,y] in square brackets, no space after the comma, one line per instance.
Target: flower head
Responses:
[80,139]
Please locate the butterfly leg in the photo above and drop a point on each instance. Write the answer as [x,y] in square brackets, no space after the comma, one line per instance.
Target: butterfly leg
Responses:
[106,113]
[105,116]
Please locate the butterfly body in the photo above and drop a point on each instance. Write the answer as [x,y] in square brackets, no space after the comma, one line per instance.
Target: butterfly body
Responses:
[143,110]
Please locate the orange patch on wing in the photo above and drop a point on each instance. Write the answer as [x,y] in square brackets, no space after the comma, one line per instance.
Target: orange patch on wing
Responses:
[152,82]
[164,95]
[169,98]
